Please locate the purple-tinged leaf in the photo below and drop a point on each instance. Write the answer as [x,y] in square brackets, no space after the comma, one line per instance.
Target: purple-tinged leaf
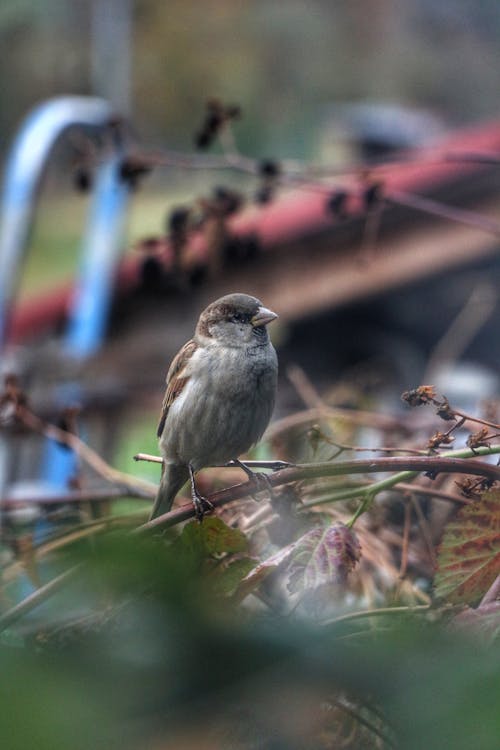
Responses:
[323,556]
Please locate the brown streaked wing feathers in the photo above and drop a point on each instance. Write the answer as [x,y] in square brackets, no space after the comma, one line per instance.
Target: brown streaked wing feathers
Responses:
[175,380]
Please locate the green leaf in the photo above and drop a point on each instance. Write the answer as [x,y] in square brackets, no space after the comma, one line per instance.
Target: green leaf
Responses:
[226,580]
[212,537]
[469,554]
[322,556]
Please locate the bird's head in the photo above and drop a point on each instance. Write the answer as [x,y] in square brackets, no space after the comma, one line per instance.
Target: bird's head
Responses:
[236,319]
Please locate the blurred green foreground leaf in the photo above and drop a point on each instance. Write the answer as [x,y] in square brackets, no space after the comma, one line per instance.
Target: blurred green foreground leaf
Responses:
[159,656]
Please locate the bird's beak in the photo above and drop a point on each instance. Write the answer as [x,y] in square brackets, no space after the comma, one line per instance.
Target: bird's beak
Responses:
[262,317]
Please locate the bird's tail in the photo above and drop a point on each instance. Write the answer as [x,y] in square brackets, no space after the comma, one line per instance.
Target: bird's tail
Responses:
[173,477]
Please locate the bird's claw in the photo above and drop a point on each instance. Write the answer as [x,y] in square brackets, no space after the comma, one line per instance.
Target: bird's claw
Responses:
[202,506]
[262,484]
[260,480]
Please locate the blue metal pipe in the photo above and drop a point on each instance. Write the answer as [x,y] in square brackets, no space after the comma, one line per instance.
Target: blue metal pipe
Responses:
[89,313]
[100,248]
[28,156]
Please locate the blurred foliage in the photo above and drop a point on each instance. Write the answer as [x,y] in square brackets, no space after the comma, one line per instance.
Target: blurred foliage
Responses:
[272,626]
[161,659]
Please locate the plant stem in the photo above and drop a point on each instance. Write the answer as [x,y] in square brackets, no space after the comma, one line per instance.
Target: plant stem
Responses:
[434,464]
[451,461]
[37,597]
[378,613]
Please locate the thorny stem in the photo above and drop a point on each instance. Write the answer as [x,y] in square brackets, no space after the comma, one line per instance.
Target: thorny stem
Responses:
[478,420]
[449,462]
[404,476]
[363,507]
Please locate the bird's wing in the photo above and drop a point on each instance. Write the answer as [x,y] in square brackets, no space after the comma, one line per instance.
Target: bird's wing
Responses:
[176,380]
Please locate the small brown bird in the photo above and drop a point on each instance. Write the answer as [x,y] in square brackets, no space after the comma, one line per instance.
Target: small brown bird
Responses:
[221,388]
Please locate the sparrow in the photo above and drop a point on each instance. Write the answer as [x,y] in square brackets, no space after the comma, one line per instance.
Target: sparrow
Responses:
[221,388]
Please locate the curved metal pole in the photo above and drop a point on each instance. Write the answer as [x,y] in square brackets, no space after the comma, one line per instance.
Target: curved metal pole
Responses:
[102,244]
[28,156]
[101,249]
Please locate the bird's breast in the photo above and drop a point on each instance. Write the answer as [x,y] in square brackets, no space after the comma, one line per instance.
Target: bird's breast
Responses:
[224,408]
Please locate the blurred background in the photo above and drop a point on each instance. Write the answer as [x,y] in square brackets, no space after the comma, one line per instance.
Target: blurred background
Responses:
[287,64]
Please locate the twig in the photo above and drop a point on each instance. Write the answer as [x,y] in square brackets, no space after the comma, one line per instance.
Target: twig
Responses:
[85,452]
[453,461]
[73,497]
[37,597]
[436,208]
[406,539]
[424,528]
[417,489]
[472,316]
[381,421]
[435,464]
[477,420]
[380,612]
[359,718]
[304,387]
[148,457]
[407,468]
[370,233]
[250,463]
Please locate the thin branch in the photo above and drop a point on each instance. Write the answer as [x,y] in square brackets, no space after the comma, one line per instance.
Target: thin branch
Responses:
[380,612]
[424,528]
[436,208]
[250,463]
[406,539]
[417,489]
[37,597]
[301,419]
[477,420]
[304,387]
[371,231]
[407,468]
[148,457]
[73,497]
[359,718]
[452,462]
[85,452]
[463,329]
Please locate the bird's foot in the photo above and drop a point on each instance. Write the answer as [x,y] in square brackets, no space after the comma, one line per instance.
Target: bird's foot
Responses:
[202,506]
[260,480]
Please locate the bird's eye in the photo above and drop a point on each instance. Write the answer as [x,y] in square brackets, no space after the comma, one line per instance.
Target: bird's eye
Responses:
[238,318]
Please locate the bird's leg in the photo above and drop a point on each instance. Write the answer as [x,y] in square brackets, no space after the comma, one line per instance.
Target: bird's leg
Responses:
[260,480]
[201,504]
